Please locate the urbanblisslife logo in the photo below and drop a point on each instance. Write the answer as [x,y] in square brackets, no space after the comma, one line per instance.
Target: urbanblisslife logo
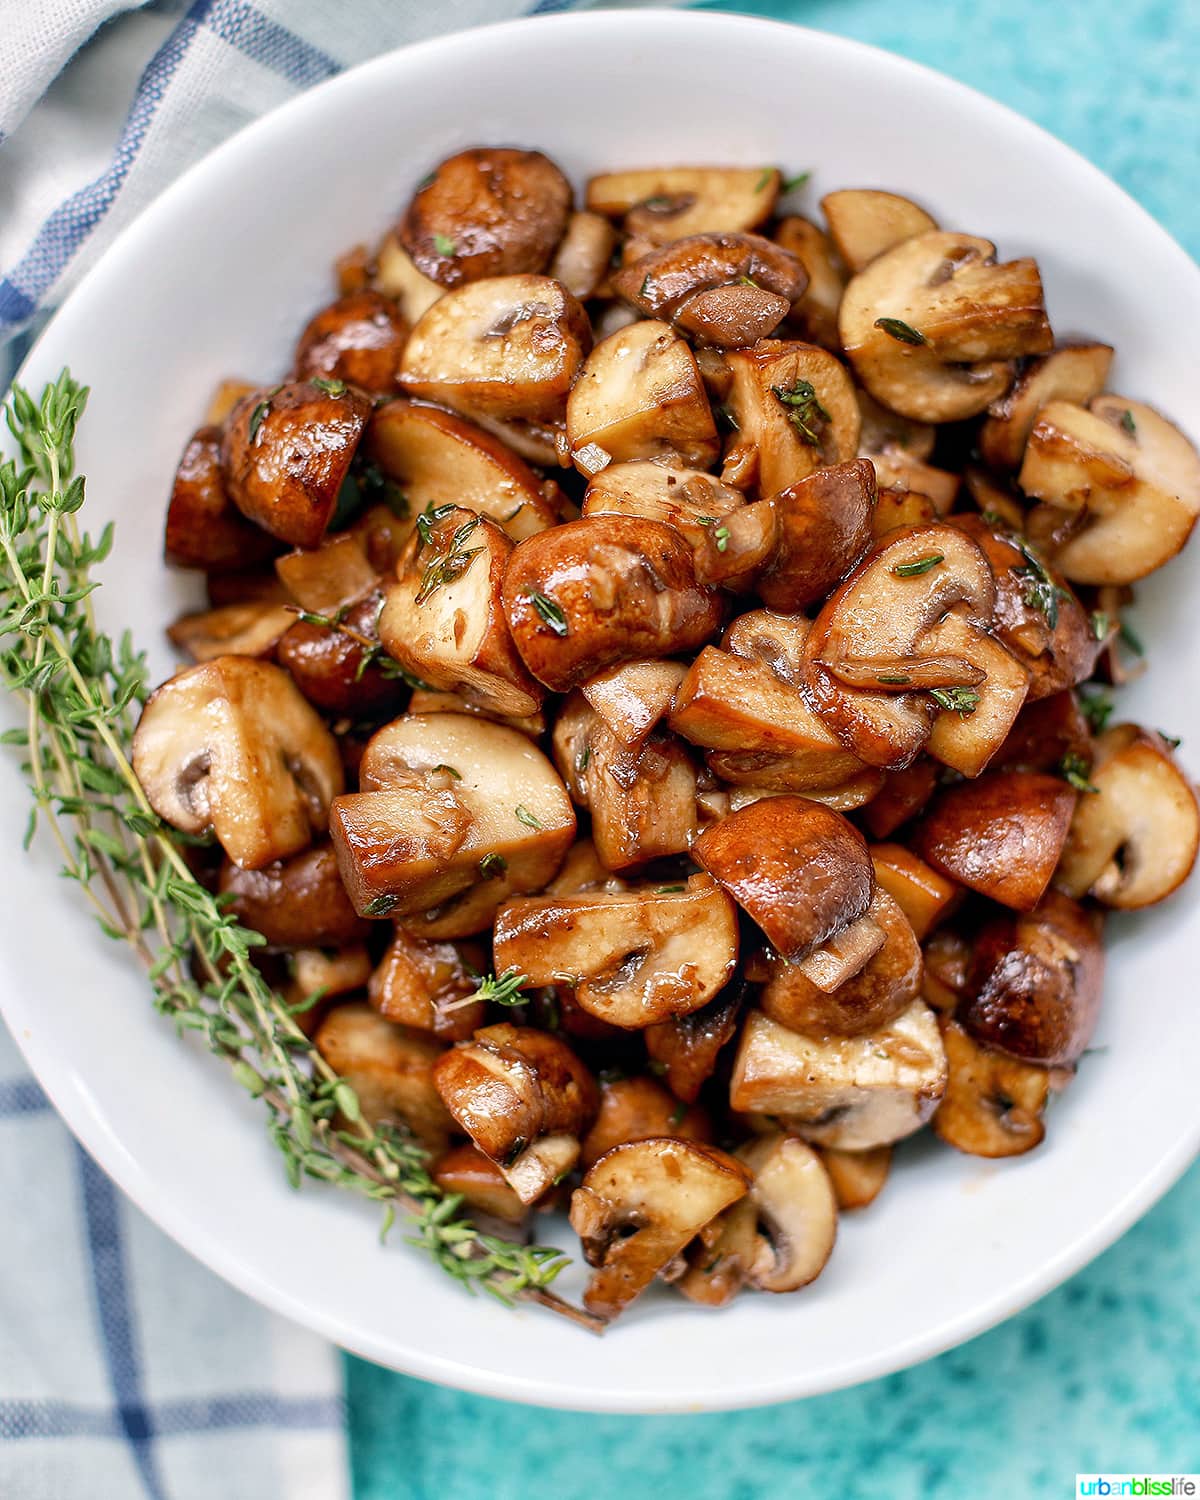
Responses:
[1136,1484]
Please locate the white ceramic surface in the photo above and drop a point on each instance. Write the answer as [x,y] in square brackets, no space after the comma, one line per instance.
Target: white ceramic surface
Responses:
[214,280]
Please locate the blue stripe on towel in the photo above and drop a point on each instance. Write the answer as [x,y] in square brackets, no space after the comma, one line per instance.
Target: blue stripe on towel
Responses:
[64,1419]
[267,42]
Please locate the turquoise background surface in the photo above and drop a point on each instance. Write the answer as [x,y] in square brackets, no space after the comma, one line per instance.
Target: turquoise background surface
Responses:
[1104,1374]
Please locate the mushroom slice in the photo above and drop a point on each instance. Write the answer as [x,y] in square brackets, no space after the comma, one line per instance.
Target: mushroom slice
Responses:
[253,629]
[513,1087]
[922,894]
[1071,372]
[640,1205]
[870,996]
[852,1093]
[857,1176]
[390,1068]
[642,802]
[1045,734]
[1035,983]
[864,222]
[815,310]
[541,1165]
[397,277]
[294,903]
[720,1256]
[357,339]
[286,452]
[795,411]
[634,697]
[231,745]
[1037,618]
[490,211]
[948,959]
[662,204]
[897,509]
[465,1172]
[428,701]
[796,1211]
[638,1109]
[903,795]
[993,1104]
[1002,835]
[753,775]
[800,871]
[443,619]
[226,396]
[726,289]
[1135,833]
[931,324]
[1130,478]
[633,958]
[449,802]
[640,395]
[974,723]
[329,577]
[336,664]
[602,590]
[509,346]
[866,652]
[688,499]
[687,1047]
[438,459]
[424,985]
[584,254]
[319,973]
[733,704]
[204,527]
[887,432]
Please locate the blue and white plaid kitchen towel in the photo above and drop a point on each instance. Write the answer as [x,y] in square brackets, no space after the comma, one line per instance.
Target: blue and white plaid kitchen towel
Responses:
[126,1369]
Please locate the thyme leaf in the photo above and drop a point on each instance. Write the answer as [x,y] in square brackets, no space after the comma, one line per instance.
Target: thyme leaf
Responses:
[903,333]
[918,566]
[803,408]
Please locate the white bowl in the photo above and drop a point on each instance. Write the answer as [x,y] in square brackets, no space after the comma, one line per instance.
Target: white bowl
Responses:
[215,279]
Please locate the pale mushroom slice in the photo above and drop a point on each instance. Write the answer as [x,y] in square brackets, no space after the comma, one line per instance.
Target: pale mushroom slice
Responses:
[640,395]
[318,974]
[443,619]
[867,656]
[231,745]
[252,629]
[1135,833]
[634,697]
[584,254]
[637,1109]
[800,871]
[602,590]
[794,410]
[642,802]
[390,1068]
[796,1213]
[993,1104]
[865,222]
[1071,372]
[815,311]
[524,1098]
[486,212]
[397,277]
[662,204]
[1123,477]
[633,958]
[858,1177]
[853,1093]
[931,325]
[973,723]
[726,290]
[439,459]
[638,1208]
[431,701]
[329,577]
[509,346]
[449,802]
[1035,982]
[688,499]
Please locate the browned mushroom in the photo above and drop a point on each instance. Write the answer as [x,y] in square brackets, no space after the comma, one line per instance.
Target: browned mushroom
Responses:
[815,311]
[231,746]
[357,339]
[1035,983]
[295,903]
[687,499]
[602,590]
[993,1104]
[857,1176]
[286,451]
[800,871]
[923,895]
[337,663]
[1002,835]
[467,1173]
[634,697]
[204,528]
[424,985]
[638,1208]
[637,1109]
[686,1048]
[253,629]
[661,204]
[1071,372]
[864,222]
[584,254]
[489,211]
[329,577]
[903,794]
[1136,830]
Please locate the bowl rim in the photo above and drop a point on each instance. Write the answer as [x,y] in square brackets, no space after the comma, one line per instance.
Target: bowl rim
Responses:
[67,1091]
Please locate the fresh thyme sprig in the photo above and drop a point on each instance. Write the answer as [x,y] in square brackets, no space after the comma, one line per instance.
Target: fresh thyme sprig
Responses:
[81,693]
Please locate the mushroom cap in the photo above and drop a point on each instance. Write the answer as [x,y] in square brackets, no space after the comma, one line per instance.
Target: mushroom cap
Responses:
[1134,839]
[796,1211]
[204,528]
[637,1109]
[799,870]
[688,499]
[864,222]
[667,203]
[1073,371]
[993,1103]
[232,745]
[295,903]
[358,339]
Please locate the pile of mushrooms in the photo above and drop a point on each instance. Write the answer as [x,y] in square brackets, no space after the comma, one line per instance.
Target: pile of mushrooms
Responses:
[700,618]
